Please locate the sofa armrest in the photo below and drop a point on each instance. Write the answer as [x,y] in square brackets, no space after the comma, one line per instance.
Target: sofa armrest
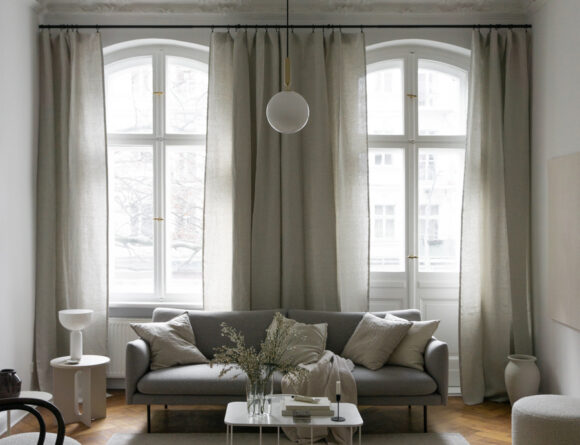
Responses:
[437,365]
[137,357]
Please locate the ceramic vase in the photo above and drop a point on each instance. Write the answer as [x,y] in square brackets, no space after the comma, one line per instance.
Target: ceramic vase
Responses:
[10,383]
[522,376]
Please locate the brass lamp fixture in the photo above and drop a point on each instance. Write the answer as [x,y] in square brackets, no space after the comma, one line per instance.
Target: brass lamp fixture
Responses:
[287,111]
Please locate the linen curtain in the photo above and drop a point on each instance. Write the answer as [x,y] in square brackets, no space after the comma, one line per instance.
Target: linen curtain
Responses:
[495,315]
[71,264]
[286,217]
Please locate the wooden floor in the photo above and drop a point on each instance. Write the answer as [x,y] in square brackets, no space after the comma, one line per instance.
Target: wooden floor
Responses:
[486,424]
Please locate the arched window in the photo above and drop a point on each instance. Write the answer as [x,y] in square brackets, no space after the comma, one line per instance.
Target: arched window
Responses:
[417,113]
[156,104]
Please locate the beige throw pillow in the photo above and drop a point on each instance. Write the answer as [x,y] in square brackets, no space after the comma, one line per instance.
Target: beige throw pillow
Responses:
[374,339]
[411,350]
[306,343]
[171,343]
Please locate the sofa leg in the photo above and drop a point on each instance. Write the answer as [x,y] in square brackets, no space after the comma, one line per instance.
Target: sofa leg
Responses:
[425,418]
[165,406]
[148,418]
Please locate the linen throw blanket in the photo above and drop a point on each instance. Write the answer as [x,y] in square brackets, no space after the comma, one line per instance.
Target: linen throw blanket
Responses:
[321,382]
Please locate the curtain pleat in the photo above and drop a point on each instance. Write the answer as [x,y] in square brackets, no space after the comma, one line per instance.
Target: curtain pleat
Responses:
[494,281]
[71,263]
[286,217]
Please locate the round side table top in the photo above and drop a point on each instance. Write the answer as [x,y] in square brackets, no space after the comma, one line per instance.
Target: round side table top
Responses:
[46,396]
[87,361]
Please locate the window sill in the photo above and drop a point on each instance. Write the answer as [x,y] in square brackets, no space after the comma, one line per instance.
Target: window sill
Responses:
[136,309]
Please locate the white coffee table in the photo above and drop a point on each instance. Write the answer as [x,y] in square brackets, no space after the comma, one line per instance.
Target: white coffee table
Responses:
[237,416]
[91,388]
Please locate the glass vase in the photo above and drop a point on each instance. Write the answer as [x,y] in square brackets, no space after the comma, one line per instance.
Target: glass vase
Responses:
[255,397]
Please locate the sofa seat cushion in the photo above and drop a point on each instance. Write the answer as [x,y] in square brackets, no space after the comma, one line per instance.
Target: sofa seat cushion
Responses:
[392,381]
[197,380]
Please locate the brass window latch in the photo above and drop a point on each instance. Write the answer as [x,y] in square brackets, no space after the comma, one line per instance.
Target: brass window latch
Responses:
[412,96]
[413,257]
[158,93]
[158,219]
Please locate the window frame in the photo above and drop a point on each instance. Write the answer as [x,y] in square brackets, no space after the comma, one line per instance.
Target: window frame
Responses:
[159,140]
[410,51]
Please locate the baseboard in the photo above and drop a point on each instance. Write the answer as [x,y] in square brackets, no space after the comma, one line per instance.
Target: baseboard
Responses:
[115,383]
[16,417]
[454,391]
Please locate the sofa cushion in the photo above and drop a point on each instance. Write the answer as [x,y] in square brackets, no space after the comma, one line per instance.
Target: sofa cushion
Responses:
[392,381]
[207,326]
[411,350]
[202,380]
[305,343]
[171,342]
[375,339]
[341,325]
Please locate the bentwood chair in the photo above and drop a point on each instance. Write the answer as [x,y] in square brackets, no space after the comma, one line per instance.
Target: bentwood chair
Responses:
[42,437]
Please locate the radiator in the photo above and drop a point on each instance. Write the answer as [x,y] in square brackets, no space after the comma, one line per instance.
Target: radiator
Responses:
[120,333]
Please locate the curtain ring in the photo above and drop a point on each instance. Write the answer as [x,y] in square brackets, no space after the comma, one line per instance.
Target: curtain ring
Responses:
[212,29]
[361,29]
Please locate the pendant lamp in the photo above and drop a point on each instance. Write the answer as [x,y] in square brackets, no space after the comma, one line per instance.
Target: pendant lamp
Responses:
[287,111]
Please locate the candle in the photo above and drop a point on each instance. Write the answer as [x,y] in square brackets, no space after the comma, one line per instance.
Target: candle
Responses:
[338,387]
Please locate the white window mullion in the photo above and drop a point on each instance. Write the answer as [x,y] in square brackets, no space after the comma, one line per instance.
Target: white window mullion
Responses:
[159,198]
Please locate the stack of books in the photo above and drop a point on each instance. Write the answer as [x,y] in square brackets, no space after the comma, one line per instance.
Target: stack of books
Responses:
[319,406]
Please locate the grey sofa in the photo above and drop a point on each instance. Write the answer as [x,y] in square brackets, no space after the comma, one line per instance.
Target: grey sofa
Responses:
[200,385]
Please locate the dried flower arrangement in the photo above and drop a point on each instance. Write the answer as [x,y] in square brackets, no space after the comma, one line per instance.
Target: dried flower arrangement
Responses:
[254,363]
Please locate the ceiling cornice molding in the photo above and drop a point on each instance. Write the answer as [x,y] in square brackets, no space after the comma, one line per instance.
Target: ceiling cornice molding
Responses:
[535,5]
[299,7]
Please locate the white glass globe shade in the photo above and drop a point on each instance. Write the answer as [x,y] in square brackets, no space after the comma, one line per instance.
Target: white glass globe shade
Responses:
[75,319]
[287,112]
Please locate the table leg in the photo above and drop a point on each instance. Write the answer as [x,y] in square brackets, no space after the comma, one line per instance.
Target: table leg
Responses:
[231,435]
[9,423]
[66,394]
[227,435]
[311,434]
[260,434]
[85,390]
[359,435]
[99,392]
[351,433]
[278,435]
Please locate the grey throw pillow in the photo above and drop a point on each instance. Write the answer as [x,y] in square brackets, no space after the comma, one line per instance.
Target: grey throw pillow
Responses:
[171,343]
[305,344]
[411,350]
[374,340]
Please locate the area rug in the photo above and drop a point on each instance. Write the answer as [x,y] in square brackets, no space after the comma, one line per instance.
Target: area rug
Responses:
[270,439]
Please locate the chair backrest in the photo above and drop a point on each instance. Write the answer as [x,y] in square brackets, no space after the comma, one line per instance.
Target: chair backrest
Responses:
[30,405]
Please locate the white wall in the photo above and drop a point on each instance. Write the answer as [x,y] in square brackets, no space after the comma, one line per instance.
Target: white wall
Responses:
[17,184]
[556,132]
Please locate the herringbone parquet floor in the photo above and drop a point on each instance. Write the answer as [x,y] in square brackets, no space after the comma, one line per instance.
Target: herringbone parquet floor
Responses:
[485,424]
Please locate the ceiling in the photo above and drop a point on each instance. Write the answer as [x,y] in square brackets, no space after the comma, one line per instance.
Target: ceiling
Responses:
[297,6]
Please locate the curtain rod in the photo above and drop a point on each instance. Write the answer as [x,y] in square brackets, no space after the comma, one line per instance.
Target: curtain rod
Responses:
[251,26]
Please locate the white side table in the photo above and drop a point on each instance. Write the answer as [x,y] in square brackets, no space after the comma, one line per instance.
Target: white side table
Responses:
[237,416]
[86,381]
[46,396]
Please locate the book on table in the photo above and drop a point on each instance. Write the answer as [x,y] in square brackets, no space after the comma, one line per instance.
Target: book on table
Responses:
[291,407]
